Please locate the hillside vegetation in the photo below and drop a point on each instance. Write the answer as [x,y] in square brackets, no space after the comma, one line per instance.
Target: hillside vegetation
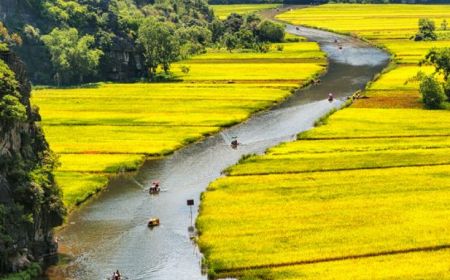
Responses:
[373,181]
[114,127]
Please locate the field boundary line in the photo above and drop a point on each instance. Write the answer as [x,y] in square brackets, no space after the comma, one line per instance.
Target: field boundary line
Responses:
[401,148]
[337,170]
[374,137]
[342,258]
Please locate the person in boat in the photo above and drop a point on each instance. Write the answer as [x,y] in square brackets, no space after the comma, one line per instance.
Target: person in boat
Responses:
[116,275]
[330,97]
[234,143]
[154,187]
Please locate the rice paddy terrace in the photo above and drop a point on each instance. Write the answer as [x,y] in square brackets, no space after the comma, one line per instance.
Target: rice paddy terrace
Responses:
[115,127]
[223,11]
[119,215]
[363,195]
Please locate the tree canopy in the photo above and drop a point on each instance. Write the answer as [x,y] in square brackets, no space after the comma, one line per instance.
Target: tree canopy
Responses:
[160,44]
[72,56]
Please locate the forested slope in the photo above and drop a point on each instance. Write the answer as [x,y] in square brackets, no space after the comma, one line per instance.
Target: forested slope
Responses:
[113,24]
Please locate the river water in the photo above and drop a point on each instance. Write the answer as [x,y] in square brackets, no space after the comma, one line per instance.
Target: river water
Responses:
[110,231]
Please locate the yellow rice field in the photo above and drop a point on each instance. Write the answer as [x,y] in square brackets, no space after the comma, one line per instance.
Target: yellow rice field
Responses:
[105,128]
[373,180]
[223,11]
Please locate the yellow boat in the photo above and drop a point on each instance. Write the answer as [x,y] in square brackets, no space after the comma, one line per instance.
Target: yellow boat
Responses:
[153,222]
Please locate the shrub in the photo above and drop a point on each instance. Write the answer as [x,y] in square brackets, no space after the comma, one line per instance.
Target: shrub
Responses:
[271,32]
[11,111]
[426,30]
[432,92]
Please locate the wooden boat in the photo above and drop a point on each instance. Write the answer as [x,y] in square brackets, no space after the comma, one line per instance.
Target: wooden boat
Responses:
[153,222]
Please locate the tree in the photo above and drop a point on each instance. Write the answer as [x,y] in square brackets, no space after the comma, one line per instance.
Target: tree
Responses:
[440,58]
[233,23]
[217,28]
[11,109]
[432,93]
[426,30]
[271,32]
[8,39]
[444,24]
[160,44]
[193,40]
[246,38]
[71,55]
[231,42]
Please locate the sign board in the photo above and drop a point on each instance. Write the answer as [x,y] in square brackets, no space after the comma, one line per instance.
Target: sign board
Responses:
[190,202]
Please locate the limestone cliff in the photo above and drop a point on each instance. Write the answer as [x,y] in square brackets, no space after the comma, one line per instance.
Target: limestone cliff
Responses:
[30,201]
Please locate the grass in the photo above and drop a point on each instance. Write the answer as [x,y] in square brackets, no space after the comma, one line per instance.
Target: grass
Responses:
[106,128]
[223,11]
[375,179]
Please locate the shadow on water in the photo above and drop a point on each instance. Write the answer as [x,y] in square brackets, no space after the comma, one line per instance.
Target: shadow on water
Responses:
[110,232]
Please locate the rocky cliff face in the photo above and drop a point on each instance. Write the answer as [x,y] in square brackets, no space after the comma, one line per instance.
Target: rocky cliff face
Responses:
[30,202]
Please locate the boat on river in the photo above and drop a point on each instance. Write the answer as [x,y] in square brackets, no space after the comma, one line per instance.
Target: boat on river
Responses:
[153,222]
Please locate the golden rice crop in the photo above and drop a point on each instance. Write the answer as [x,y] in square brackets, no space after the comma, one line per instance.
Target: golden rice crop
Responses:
[77,187]
[362,122]
[419,265]
[374,21]
[296,203]
[305,162]
[113,127]
[276,219]
[223,11]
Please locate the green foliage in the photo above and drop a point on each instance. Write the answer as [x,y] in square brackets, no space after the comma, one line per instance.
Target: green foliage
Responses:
[66,12]
[30,273]
[193,40]
[440,58]
[8,83]
[444,25]
[426,30]
[160,44]
[7,39]
[271,32]
[231,42]
[432,92]
[247,32]
[72,56]
[11,110]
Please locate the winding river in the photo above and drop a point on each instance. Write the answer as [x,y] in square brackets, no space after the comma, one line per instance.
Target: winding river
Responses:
[110,232]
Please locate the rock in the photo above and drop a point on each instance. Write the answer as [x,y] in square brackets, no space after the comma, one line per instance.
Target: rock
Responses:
[29,210]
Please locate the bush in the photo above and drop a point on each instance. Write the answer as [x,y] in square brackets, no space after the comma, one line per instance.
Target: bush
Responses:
[11,110]
[432,93]
[30,273]
[426,30]
[271,32]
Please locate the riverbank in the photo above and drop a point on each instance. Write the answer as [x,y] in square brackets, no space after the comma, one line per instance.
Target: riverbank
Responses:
[363,195]
[105,129]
